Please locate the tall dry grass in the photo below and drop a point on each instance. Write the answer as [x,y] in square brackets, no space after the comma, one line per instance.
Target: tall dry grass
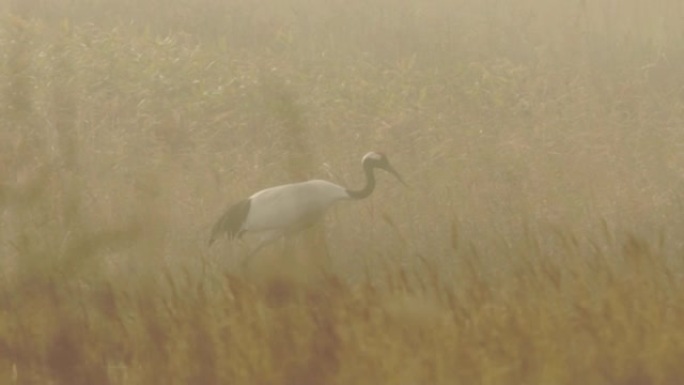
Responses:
[539,241]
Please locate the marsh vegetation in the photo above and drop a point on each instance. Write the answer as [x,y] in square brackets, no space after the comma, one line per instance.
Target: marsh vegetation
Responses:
[540,241]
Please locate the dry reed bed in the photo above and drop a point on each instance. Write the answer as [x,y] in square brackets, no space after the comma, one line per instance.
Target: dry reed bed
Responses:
[604,319]
[535,144]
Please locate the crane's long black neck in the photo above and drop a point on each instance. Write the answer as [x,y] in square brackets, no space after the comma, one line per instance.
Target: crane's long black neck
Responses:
[368,188]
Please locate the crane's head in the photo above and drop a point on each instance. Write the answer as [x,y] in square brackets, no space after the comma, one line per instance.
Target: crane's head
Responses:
[379,160]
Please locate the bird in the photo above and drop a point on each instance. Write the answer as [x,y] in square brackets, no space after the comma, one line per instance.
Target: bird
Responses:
[286,209]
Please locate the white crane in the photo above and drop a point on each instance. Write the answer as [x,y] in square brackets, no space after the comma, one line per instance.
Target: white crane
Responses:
[283,210]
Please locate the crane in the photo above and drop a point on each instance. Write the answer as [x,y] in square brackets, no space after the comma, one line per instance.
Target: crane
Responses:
[287,209]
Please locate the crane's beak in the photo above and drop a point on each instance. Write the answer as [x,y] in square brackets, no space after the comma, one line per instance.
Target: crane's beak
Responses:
[394,172]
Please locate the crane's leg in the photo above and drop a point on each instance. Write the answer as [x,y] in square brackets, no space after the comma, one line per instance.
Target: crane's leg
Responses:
[266,239]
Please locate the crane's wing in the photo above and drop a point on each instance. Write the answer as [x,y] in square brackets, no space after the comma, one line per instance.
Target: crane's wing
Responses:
[231,222]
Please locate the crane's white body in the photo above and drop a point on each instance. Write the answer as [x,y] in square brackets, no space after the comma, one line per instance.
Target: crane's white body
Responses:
[291,207]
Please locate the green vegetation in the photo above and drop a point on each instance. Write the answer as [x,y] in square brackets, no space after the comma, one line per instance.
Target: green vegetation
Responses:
[539,242]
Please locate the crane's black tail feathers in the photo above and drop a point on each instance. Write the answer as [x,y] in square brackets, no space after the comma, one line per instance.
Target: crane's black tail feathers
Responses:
[231,221]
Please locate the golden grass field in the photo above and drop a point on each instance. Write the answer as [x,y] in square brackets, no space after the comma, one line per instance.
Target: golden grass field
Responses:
[540,240]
